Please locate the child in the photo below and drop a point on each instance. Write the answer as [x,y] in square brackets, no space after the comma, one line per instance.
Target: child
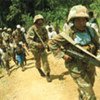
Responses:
[20,56]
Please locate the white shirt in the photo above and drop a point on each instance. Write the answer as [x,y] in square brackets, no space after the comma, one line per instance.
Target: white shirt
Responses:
[47,27]
[51,34]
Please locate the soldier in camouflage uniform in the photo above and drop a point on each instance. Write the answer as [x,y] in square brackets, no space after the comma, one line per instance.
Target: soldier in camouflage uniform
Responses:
[82,73]
[1,30]
[5,35]
[1,39]
[18,34]
[6,50]
[35,34]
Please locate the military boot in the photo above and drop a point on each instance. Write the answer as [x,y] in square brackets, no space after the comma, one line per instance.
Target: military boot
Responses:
[41,72]
[80,94]
[48,77]
[23,69]
[80,97]
[8,72]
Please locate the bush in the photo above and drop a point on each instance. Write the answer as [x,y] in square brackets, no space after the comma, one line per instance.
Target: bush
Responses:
[27,20]
[56,16]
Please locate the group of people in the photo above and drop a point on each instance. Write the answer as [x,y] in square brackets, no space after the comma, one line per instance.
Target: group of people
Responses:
[82,34]
[38,40]
[85,36]
[12,46]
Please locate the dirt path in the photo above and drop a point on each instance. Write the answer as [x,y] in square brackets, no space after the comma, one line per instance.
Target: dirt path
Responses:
[29,85]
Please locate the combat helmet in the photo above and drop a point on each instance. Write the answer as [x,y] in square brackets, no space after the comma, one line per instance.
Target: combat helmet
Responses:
[0,29]
[5,28]
[77,11]
[18,26]
[37,17]
[23,29]
[9,30]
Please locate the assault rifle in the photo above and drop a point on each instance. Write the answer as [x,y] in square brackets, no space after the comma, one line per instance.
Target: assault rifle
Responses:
[44,45]
[83,57]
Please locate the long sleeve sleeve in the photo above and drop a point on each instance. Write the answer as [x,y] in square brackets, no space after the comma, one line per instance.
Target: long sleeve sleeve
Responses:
[30,38]
[55,46]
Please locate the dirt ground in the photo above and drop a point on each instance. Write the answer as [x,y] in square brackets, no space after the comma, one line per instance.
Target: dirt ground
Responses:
[29,85]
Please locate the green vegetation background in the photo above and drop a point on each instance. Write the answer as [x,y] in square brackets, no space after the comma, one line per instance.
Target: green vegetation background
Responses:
[14,12]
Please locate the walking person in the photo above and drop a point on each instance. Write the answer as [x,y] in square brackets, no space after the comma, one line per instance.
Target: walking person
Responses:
[82,72]
[37,38]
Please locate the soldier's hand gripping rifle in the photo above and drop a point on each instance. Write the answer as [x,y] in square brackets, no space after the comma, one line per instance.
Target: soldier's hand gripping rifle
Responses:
[44,45]
[83,57]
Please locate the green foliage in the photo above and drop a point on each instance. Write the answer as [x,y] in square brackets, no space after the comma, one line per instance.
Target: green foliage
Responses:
[27,20]
[14,12]
[58,15]
[95,6]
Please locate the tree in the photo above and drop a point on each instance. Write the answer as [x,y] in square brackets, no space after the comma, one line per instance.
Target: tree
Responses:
[14,12]
[95,6]
[4,9]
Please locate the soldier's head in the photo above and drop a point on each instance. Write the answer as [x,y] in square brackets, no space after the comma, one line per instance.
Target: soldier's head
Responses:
[9,30]
[78,15]
[23,29]
[1,29]
[5,29]
[38,20]
[18,27]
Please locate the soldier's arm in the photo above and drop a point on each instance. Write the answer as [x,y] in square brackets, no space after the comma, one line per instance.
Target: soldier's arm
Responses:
[96,42]
[46,35]
[30,37]
[56,46]
[13,33]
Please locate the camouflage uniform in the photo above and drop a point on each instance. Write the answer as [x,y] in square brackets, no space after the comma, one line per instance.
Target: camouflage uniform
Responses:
[1,30]
[1,35]
[5,35]
[82,73]
[1,65]
[18,36]
[34,42]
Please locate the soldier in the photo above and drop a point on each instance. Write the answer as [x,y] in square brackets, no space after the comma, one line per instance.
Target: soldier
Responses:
[6,58]
[1,62]
[1,30]
[82,73]
[9,31]
[18,33]
[0,46]
[37,37]
[24,33]
[5,35]
[93,19]
[93,22]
